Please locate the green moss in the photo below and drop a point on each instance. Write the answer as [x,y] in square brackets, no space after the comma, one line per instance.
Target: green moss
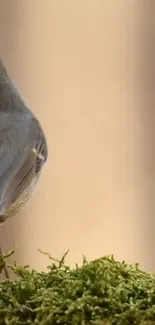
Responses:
[103,291]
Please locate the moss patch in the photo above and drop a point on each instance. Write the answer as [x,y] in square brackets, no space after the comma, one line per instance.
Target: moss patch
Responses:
[103,291]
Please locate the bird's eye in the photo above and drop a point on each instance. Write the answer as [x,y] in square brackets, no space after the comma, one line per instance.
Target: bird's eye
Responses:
[2,218]
[39,164]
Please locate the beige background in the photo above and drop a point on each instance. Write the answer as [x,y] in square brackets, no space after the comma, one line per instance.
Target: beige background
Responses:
[86,68]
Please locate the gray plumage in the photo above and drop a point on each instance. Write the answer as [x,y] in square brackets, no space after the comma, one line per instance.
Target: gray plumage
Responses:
[23,148]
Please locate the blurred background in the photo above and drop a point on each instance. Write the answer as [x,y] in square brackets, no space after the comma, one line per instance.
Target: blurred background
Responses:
[86,68]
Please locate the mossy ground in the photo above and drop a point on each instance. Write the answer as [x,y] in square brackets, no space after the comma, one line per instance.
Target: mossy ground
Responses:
[103,291]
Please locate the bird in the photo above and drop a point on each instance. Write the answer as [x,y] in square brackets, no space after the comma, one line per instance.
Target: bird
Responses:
[23,149]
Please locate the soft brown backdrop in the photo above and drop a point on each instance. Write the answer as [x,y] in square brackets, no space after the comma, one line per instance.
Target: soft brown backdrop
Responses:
[86,68]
